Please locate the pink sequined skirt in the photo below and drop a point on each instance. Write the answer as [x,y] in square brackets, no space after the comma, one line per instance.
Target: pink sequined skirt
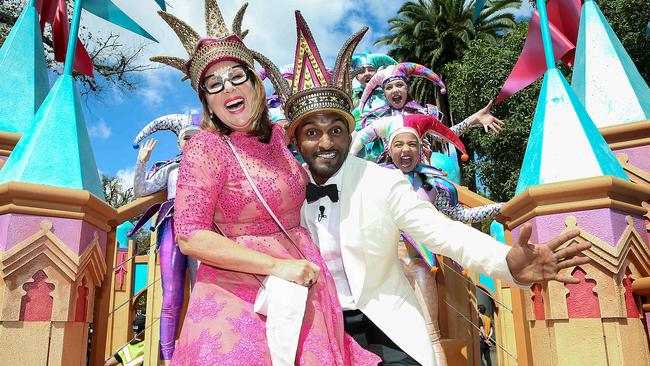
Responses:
[221,328]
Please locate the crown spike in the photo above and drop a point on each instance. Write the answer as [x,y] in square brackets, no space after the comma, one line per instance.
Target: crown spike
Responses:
[188,36]
[214,23]
[236,23]
[275,75]
[171,61]
[341,77]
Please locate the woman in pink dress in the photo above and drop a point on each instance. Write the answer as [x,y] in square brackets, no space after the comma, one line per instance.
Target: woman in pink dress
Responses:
[221,327]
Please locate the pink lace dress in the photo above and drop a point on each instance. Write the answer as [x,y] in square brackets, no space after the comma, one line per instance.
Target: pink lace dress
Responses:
[220,326]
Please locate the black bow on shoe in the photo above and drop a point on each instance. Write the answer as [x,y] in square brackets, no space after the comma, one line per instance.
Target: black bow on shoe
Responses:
[315,192]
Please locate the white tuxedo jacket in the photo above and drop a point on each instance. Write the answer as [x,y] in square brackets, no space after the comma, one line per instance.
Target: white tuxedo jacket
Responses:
[376,204]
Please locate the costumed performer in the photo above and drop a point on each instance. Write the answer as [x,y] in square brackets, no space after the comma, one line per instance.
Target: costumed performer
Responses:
[404,135]
[173,263]
[394,81]
[357,210]
[364,67]
[238,151]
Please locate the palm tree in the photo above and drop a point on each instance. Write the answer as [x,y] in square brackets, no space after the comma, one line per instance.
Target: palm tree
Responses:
[436,32]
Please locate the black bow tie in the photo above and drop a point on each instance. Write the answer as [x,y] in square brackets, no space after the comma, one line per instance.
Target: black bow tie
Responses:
[314,192]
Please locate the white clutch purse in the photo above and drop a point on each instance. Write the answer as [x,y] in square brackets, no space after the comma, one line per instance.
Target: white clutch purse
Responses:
[283,303]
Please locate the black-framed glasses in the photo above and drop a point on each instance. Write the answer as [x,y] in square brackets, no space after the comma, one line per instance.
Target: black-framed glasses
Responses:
[216,82]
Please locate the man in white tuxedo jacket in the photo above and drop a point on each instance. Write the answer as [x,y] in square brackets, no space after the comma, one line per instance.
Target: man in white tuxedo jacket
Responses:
[355,211]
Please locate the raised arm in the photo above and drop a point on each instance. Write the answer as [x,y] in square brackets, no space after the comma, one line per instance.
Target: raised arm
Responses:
[466,245]
[524,262]
[143,186]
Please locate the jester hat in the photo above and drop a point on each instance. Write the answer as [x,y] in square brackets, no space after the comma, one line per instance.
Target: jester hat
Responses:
[376,60]
[177,123]
[220,44]
[312,89]
[402,71]
[387,128]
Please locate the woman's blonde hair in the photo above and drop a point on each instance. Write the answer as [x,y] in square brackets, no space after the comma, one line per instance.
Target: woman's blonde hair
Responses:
[261,125]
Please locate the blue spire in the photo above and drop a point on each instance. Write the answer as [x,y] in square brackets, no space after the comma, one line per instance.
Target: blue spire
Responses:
[564,142]
[23,73]
[604,77]
[56,149]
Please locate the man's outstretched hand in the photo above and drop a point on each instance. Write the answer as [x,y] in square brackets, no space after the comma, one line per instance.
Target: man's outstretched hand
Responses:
[530,263]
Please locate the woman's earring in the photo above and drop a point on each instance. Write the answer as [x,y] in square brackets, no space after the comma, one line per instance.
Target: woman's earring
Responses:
[211,115]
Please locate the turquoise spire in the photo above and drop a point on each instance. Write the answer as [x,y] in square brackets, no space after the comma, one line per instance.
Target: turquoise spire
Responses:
[23,73]
[564,142]
[604,77]
[56,149]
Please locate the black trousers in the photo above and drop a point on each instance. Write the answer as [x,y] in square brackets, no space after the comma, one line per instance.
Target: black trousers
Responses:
[485,353]
[371,338]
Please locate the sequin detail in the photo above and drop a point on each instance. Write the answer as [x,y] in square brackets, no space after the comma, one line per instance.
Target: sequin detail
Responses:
[211,186]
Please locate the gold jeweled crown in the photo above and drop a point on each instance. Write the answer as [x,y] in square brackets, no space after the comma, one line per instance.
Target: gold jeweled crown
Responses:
[220,44]
[312,90]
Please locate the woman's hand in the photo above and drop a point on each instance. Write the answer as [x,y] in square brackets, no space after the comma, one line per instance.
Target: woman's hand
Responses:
[300,271]
[485,118]
[145,151]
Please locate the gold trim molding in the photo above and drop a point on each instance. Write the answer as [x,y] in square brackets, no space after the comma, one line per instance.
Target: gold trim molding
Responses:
[576,195]
[627,135]
[8,141]
[41,200]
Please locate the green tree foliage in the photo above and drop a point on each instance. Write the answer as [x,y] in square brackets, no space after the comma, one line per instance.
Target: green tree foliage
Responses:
[117,196]
[437,32]
[477,79]
[478,76]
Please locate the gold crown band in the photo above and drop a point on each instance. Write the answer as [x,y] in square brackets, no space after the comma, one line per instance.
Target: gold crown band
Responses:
[316,100]
[207,54]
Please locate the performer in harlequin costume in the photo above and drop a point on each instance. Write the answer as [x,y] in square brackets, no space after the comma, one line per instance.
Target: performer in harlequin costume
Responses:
[404,136]
[364,67]
[173,263]
[394,81]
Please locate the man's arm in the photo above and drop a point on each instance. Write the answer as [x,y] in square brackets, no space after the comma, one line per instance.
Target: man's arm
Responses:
[469,247]
[523,263]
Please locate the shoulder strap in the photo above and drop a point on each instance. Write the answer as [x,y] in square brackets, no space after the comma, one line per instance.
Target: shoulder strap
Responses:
[259,195]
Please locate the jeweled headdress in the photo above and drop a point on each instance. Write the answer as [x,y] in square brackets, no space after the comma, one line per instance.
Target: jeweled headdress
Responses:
[387,128]
[312,90]
[376,60]
[220,44]
[400,71]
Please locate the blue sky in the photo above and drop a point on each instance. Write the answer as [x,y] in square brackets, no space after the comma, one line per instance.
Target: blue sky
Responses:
[114,121]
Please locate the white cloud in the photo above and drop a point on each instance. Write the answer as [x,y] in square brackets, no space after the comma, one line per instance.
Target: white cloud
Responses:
[100,130]
[155,84]
[190,110]
[271,24]
[126,175]
[525,10]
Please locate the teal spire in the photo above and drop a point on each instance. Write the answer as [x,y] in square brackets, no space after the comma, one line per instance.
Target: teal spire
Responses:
[564,142]
[23,73]
[604,77]
[56,149]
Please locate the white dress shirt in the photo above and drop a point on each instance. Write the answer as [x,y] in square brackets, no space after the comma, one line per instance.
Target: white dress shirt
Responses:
[328,238]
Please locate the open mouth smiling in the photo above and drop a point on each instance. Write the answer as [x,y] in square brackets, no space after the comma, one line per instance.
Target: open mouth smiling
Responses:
[235,105]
